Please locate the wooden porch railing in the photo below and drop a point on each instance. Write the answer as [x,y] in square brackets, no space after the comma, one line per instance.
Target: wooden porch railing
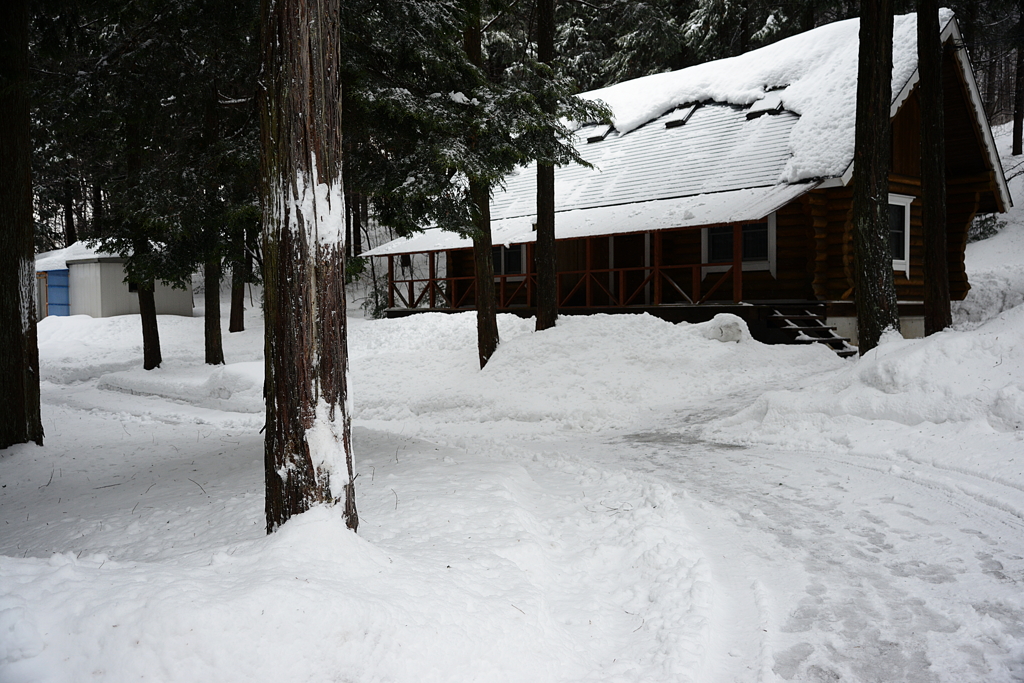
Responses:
[604,287]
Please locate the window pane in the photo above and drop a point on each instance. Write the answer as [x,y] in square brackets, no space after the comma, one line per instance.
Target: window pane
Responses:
[496,255]
[720,244]
[513,260]
[897,231]
[755,242]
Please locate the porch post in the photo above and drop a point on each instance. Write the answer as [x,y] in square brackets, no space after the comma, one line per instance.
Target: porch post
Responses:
[391,281]
[531,272]
[432,277]
[657,268]
[737,262]
[590,266]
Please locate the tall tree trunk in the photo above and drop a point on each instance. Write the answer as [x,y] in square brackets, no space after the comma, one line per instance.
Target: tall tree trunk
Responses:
[212,270]
[19,359]
[877,310]
[70,234]
[1018,85]
[937,313]
[236,321]
[357,223]
[544,253]
[486,307]
[97,210]
[211,317]
[483,262]
[151,356]
[308,447]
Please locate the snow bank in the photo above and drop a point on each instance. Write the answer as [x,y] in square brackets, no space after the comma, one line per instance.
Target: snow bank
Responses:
[590,372]
[956,385]
[995,266]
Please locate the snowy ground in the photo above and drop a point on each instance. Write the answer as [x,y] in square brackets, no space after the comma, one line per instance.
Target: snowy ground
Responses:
[614,500]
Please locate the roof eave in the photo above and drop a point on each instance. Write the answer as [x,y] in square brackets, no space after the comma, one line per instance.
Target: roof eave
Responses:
[951,31]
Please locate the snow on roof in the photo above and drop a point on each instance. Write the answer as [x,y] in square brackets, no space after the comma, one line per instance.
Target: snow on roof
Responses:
[774,122]
[818,70]
[58,259]
[736,206]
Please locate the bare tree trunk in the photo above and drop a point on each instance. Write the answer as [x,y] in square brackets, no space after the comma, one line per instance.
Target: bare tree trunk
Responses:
[308,447]
[19,359]
[357,223]
[1018,85]
[151,356]
[937,313]
[544,254]
[486,307]
[877,310]
[97,211]
[70,234]
[211,317]
[236,321]
[483,261]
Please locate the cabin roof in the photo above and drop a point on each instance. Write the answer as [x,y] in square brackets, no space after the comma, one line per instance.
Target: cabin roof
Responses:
[774,122]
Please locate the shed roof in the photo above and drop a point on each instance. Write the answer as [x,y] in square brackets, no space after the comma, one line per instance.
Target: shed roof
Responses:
[58,259]
[774,122]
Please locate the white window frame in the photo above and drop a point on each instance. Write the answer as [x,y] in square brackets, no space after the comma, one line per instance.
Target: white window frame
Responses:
[905,201]
[768,265]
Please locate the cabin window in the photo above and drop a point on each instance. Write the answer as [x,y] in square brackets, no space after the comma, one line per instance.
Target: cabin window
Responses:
[758,246]
[509,260]
[899,231]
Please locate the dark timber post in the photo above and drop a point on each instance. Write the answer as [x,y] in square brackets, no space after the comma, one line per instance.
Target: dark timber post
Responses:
[875,290]
[737,262]
[937,313]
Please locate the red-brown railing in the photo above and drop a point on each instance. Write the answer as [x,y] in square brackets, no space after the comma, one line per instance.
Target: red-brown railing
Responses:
[604,287]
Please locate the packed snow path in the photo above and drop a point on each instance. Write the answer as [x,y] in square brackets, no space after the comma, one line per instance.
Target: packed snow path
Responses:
[848,568]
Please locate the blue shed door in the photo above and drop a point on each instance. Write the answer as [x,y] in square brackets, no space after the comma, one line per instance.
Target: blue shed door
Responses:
[57,299]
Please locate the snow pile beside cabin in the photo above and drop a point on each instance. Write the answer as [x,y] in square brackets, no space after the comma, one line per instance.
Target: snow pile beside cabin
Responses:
[996,264]
[814,75]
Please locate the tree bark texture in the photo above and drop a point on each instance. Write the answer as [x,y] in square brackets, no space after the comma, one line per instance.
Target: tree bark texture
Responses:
[19,359]
[151,356]
[1018,86]
[236,321]
[211,317]
[483,261]
[70,234]
[480,194]
[544,252]
[308,448]
[937,313]
[875,290]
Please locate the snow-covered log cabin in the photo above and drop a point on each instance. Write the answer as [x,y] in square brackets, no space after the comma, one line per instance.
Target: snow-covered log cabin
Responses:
[728,186]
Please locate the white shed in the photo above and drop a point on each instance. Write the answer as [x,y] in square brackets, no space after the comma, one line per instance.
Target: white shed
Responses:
[80,280]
